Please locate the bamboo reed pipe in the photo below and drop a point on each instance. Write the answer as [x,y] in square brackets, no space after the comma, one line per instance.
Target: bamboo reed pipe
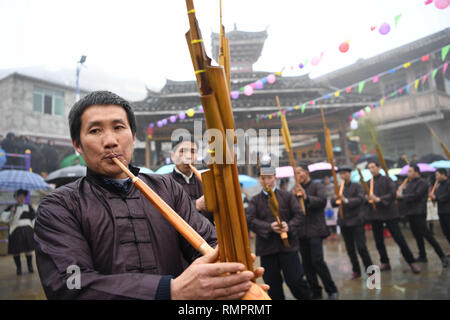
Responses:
[254,293]
[432,192]
[273,205]
[197,174]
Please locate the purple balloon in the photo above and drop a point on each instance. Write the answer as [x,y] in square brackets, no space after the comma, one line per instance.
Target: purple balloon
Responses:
[259,85]
[151,125]
[173,119]
[164,121]
[234,95]
[182,115]
[301,65]
[159,124]
[384,28]
[200,109]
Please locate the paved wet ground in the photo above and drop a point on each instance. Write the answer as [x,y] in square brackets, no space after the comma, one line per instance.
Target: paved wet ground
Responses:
[433,283]
[399,283]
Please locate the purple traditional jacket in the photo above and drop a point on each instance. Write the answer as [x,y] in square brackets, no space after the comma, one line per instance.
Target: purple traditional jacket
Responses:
[120,242]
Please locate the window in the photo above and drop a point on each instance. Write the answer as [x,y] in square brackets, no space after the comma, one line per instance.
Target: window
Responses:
[48,101]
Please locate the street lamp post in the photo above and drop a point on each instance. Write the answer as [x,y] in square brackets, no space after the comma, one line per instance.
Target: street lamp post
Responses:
[79,64]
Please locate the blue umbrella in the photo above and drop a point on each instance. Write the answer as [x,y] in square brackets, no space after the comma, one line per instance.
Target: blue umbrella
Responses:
[2,158]
[354,177]
[145,170]
[168,168]
[247,182]
[445,164]
[11,180]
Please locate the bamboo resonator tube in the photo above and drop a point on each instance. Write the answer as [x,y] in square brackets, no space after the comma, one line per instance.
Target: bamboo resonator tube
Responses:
[254,293]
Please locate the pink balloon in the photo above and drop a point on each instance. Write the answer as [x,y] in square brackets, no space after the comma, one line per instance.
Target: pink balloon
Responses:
[384,28]
[271,78]
[248,90]
[253,85]
[316,60]
[234,95]
[441,4]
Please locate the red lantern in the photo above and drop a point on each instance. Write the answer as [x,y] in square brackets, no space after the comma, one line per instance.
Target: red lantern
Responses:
[364,148]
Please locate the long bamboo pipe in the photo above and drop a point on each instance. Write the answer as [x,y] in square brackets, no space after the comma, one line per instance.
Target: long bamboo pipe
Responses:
[288,144]
[273,205]
[402,185]
[254,293]
[432,191]
[197,174]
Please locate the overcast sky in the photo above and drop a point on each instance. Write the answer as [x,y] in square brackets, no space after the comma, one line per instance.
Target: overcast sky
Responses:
[144,39]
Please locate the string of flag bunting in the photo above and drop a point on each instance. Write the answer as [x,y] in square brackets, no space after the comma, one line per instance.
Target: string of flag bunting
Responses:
[406,89]
[359,85]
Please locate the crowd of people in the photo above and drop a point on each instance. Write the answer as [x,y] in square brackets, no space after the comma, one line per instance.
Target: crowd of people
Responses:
[125,249]
[44,157]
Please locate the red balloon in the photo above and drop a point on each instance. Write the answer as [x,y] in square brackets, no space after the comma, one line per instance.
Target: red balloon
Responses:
[343,47]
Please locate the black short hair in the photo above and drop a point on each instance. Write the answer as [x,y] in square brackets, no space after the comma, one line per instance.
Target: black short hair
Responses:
[101,98]
[20,191]
[184,138]
[442,171]
[415,167]
[374,162]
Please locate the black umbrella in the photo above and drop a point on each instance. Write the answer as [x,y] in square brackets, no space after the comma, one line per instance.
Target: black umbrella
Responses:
[66,175]
[374,157]
[431,157]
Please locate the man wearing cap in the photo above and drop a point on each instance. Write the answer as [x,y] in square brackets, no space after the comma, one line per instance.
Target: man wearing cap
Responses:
[183,155]
[442,197]
[415,196]
[275,256]
[386,213]
[312,233]
[352,222]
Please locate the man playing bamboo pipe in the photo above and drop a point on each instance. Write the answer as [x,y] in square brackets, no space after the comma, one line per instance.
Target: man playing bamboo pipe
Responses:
[442,196]
[352,224]
[275,256]
[99,237]
[312,233]
[415,196]
[183,155]
[386,213]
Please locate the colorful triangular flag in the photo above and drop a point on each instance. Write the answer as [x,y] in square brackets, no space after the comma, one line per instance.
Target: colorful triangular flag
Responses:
[361,86]
[445,51]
